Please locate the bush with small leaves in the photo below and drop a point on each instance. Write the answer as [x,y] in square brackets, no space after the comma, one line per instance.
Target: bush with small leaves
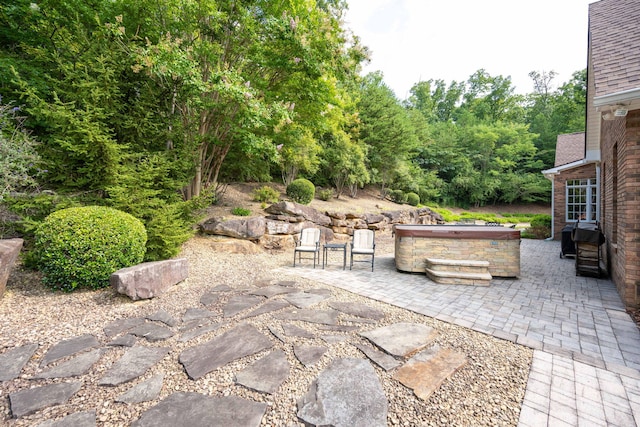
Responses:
[241,211]
[266,194]
[301,191]
[398,196]
[413,199]
[325,194]
[82,247]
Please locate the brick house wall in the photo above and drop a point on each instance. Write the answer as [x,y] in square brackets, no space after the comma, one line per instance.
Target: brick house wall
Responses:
[620,203]
[587,171]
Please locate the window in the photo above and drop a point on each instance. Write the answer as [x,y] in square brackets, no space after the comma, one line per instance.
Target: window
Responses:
[582,196]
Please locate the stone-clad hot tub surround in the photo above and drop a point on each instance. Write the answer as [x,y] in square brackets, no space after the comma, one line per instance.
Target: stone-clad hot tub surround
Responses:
[498,245]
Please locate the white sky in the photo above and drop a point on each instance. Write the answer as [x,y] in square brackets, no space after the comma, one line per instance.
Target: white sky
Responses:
[417,40]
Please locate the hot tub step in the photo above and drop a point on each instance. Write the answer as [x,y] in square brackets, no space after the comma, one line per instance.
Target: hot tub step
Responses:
[458,272]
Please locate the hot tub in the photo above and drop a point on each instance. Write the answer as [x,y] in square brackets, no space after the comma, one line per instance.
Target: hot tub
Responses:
[498,245]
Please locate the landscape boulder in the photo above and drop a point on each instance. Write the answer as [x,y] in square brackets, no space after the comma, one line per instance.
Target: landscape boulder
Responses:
[248,229]
[149,279]
[296,209]
[9,251]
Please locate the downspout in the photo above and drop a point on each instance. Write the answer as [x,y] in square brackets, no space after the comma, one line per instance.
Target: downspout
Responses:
[598,184]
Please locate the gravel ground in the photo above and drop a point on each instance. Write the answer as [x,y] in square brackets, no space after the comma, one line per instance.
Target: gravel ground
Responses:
[487,391]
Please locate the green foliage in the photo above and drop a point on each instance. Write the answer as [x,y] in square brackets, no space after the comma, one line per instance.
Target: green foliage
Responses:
[82,247]
[413,199]
[18,156]
[540,227]
[398,196]
[241,211]
[301,190]
[446,214]
[325,194]
[266,194]
[541,220]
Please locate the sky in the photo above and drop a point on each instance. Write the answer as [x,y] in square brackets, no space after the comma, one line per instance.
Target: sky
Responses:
[418,40]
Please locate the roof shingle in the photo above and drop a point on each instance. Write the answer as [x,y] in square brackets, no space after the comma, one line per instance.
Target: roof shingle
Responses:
[569,148]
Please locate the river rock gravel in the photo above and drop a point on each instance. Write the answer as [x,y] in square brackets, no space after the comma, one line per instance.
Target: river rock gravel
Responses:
[487,391]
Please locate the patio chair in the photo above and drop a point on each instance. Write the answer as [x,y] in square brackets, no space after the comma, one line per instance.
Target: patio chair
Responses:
[364,244]
[309,241]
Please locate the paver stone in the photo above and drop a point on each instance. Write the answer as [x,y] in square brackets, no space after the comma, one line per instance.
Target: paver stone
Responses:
[79,419]
[12,361]
[28,401]
[326,317]
[305,299]
[309,354]
[401,339]
[134,363]
[143,392]
[267,307]
[380,358]
[266,374]
[164,317]
[358,309]
[77,366]
[68,347]
[152,332]
[239,303]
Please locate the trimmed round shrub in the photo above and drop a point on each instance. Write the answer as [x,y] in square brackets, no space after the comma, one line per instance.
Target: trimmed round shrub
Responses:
[413,199]
[301,191]
[266,194]
[398,196]
[82,247]
[325,194]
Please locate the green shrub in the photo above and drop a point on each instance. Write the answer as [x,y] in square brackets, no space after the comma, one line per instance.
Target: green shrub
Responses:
[82,247]
[398,196]
[541,220]
[413,199]
[241,211]
[446,214]
[301,191]
[325,194]
[266,194]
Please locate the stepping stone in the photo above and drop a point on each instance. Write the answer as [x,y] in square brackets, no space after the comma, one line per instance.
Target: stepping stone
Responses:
[221,288]
[143,392]
[339,328]
[277,333]
[267,374]
[267,307]
[380,358]
[358,309]
[12,361]
[209,298]
[152,332]
[196,332]
[333,339]
[164,317]
[274,290]
[289,283]
[120,325]
[75,367]
[197,314]
[427,370]
[25,402]
[239,303]
[326,317]
[401,339]
[192,324]
[127,340]
[198,410]
[135,362]
[79,419]
[305,299]
[292,330]
[68,347]
[347,393]
[308,354]
[320,291]
[243,340]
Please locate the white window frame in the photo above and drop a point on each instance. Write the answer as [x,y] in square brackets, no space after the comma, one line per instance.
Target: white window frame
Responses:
[581,197]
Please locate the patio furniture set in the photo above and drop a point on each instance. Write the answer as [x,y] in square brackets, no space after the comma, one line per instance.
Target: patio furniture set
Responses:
[362,245]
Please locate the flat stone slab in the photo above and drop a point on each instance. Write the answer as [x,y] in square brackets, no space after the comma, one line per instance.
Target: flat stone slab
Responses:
[292,330]
[28,401]
[127,340]
[427,370]
[305,299]
[347,393]
[267,307]
[358,309]
[197,332]
[163,316]
[197,314]
[143,392]
[198,410]
[326,317]
[77,366]
[239,303]
[79,419]
[209,298]
[133,364]
[380,358]
[273,290]
[309,354]
[401,339]
[276,333]
[243,340]
[12,361]
[152,332]
[267,374]
[68,347]
[149,279]
[119,326]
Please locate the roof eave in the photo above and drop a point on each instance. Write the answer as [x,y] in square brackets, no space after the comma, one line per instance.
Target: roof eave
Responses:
[617,98]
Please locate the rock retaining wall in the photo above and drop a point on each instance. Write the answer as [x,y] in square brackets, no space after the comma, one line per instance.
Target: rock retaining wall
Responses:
[286,219]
